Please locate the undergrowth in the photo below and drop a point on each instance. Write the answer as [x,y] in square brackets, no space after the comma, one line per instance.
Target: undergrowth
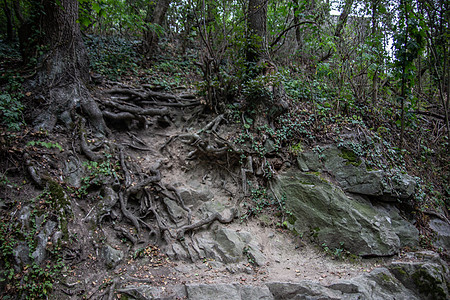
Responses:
[29,279]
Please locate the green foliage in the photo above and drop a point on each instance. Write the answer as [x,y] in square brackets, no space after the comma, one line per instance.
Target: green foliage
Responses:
[98,173]
[338,253]
[112,56]
[48,145]
[170,73]
[9,51]
[246,252]
[114,17]
[28,281]
[11,112]
[11,106]
[260,200]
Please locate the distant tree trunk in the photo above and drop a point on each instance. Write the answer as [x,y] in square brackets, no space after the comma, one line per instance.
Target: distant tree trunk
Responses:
[257,55]
[375,4]
[310,7]
[339,27]
[298,34]
[64,70]
[257,48]
[9,22]
[156,14]
[18,11]
[343,18]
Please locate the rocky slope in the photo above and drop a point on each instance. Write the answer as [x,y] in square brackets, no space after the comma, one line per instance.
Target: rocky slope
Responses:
[169,213]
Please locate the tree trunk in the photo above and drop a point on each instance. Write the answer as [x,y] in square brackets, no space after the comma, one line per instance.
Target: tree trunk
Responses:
[342,21]
[156,14]
[308,10]
[257,55]
[257,48]
[64,70]
[298,34]
[9,23]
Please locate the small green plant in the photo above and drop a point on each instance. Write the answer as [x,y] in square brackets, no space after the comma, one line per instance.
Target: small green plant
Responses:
[248,255]
[48,145]
[11,106]
[11,111]
[296,148]
[338,253]
[98,173]
[260,201]
[30,280]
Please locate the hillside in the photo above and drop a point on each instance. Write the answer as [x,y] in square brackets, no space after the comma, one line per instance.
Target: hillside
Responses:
[148,156]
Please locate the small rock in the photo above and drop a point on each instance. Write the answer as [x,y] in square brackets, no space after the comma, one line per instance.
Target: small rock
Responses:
[111,256]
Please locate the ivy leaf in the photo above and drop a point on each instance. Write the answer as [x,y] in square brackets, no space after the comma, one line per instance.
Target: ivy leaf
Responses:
[84,21]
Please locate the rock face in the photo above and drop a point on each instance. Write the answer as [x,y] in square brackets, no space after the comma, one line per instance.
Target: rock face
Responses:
[442,230]
[228,246]
[326,213]
[352,174]
[429,278]
[423,279]
[227,292]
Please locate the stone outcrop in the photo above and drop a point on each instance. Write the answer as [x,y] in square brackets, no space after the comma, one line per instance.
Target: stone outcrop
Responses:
[112,257]
[228,246]
[352,174]
[323,211]
[442,231]
[425,277]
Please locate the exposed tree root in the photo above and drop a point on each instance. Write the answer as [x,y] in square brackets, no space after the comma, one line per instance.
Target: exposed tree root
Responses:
[141,94]
[180,201]
[214,217]
[91,155]
[137,110]
[32,171]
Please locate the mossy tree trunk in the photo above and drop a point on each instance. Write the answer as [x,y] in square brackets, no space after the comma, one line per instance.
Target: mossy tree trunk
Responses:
[156,15]
[9,22]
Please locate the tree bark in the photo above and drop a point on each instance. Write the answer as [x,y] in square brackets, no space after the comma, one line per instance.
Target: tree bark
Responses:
[9,23]
[156,14]
[63,71]
[257,48]
[257,55]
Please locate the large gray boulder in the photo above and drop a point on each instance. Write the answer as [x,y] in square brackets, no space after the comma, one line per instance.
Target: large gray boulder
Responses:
[302,290]
[227,292]
[429,276]
[324,211]
[229,246]
[146,292]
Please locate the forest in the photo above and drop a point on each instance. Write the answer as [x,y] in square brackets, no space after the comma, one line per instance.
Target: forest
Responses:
[104,104]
